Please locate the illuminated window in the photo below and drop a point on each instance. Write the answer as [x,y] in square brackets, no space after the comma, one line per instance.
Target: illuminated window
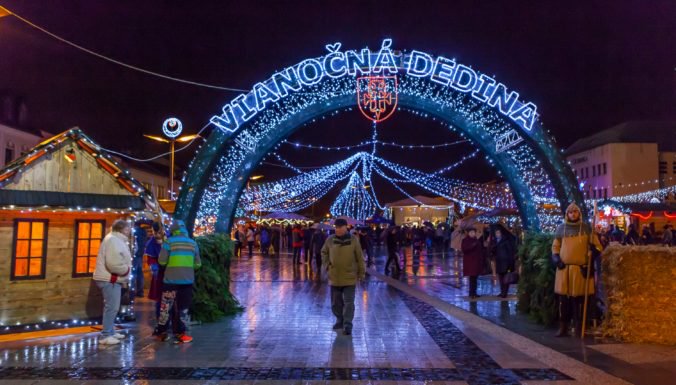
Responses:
[88,236]
[30,249]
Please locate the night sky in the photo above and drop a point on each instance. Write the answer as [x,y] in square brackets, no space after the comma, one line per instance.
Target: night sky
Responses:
[587,66]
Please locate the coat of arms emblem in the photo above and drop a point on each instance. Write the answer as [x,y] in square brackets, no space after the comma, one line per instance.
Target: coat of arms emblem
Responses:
[377,96]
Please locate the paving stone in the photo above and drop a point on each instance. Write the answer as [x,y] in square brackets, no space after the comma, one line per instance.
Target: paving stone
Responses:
[283,336]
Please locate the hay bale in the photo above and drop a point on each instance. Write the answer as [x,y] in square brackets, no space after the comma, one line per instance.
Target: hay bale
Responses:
[640,283]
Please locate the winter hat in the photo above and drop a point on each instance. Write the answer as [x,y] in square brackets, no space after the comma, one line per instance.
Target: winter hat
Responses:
[340,222]
[178,225]
[572,207]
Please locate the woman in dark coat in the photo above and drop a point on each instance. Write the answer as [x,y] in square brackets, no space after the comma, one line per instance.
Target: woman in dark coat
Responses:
[504,252]
[152,253]
[472,260]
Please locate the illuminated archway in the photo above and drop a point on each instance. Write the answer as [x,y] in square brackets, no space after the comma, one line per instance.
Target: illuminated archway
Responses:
[490,115]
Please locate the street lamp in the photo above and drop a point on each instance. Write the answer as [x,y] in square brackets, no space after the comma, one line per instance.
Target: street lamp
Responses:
[172,128]
[4,11]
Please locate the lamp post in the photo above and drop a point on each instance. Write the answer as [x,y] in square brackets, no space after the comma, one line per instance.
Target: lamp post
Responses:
[172,128]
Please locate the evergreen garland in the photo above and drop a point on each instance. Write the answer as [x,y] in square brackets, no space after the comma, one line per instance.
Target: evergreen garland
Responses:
[211,294]
[536,284]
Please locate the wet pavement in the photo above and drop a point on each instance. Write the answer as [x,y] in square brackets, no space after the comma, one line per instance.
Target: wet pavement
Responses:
[418,329]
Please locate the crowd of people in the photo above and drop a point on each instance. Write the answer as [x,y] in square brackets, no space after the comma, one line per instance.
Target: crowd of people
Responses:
[344,252]
[647,236]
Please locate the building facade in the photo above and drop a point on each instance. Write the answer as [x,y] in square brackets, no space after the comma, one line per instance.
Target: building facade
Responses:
[629,158]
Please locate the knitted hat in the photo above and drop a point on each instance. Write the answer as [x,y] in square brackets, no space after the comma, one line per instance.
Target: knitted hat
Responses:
[176,226]
[340,222]
[572,207]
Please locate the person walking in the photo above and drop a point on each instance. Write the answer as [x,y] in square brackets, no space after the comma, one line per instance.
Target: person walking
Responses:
[113,265]
[241,235]
[504,252]
[392,255]
[288,232]
[250,239]
[152,253]
[616,236]
[342,258]
[307,238]
[180,256]
[632,237]
[365,242]
[646,235]
[140,239]
[316,244]
[296,243]
[265,241]
[667,235]
[571,253]
[472,260]
[275,238]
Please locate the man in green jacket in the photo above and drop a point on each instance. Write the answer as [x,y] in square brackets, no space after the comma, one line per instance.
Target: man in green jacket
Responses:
[342,258]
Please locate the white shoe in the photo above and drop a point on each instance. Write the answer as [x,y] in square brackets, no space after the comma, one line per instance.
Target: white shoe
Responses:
[119,336]
[109,341]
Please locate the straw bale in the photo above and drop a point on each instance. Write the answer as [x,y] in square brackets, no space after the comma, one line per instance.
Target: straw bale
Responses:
[640,283]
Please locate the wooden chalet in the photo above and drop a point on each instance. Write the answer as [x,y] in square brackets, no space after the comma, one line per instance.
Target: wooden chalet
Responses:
[57,202]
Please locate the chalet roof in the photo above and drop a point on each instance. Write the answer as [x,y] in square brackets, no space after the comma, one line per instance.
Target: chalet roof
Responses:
[75,138]
[426,201]
[658,132]
[73,200]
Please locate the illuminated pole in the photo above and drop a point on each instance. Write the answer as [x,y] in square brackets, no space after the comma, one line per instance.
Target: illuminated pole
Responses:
[172,128]
[171,169]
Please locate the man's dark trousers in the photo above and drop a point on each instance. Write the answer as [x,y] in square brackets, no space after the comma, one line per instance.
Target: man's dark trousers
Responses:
[342,304]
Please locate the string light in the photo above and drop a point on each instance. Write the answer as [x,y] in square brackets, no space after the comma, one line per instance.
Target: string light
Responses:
[481,122]
[374,142]
[354,200]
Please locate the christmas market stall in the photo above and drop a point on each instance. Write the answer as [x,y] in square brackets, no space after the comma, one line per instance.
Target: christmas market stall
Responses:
[57,202]
[419,209]
[654,215]
[284,218]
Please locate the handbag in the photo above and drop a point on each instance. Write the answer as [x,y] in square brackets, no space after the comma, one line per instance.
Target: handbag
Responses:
[510,278]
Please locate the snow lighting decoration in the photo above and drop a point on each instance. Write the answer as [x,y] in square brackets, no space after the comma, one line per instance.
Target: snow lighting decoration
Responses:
[477,106]
[303,190]
[354,200]
[172,128]
[337,65]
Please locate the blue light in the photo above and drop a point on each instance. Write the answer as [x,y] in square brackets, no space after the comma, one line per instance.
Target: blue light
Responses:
[172,128]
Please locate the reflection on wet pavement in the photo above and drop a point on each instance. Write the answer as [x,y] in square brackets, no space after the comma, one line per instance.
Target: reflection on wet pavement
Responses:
[285,333]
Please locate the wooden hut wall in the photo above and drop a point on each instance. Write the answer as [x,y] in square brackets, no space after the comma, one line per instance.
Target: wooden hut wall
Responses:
[54,173]
[59,296]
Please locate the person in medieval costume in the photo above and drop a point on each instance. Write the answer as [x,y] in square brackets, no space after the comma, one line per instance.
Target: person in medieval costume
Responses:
[571,253]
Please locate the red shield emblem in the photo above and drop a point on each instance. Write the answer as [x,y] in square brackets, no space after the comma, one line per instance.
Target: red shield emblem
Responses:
[377,96]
